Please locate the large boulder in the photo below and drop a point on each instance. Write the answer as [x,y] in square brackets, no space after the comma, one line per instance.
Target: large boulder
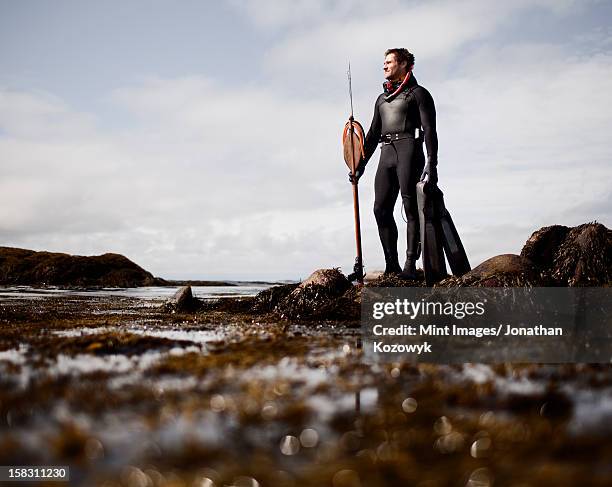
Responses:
[28,267]
[504,270]
[317,297]
[331,279]
[579,256]
[552,256]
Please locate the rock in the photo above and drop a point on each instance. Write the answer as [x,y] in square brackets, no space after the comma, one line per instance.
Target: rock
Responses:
[328,278]
[584,258]
[394,280]
[183,299]
[504,270]
[505,264]
[552,256]
[267,300]
[326,294]
[316,297]
[345,307]
[541,247]
[31,268]
[578,256]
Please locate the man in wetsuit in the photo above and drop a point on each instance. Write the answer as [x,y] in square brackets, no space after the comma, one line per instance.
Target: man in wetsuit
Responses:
[404,117]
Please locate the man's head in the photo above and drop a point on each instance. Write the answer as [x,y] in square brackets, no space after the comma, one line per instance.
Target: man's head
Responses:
[398,62]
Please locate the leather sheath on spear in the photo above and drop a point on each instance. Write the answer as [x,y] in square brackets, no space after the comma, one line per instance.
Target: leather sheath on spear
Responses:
[353,143]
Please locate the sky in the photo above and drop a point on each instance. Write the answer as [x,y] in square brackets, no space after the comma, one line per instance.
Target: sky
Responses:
[201,139]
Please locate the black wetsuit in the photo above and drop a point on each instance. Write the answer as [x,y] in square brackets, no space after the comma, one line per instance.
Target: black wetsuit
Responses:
[401,161]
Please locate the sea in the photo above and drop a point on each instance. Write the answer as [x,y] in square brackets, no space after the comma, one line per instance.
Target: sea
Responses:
[238,289]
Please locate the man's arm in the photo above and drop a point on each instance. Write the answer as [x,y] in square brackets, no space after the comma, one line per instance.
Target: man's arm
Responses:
[370,143]
[427,111]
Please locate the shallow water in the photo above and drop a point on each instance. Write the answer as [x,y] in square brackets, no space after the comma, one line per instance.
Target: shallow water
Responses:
[196,336]
[152,292]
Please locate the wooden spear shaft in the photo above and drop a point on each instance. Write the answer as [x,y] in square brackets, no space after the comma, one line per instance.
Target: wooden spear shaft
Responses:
[358,268]
[358,261]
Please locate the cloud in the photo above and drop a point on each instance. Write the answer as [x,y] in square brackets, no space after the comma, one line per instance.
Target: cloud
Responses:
[36,115]
[531,126]
[245,179]
[321,36]
[271,14]
[191,174]
[267,14]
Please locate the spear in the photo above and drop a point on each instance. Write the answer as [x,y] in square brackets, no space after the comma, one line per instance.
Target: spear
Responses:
[353,154]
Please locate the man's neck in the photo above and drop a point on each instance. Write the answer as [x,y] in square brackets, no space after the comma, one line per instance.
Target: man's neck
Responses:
[399,78]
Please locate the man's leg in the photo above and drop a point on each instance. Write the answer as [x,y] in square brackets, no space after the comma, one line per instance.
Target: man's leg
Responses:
[410,165]
[386,189]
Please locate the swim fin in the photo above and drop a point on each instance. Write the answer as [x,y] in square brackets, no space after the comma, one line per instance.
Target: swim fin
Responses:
[439,236]
[455,253]
[431,234]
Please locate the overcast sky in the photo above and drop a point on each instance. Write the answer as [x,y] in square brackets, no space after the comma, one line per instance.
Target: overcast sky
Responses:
[202,139]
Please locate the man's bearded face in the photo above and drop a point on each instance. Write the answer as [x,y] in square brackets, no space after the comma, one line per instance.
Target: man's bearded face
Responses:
[392,69]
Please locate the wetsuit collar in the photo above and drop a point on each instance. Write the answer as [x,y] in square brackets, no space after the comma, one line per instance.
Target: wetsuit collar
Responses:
[394,88]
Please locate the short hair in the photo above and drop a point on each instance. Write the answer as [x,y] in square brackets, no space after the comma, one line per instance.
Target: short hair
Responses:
[402,54]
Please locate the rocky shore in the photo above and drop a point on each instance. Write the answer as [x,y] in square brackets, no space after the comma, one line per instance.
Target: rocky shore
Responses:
[273,389]
[22,267]
[552,256]
[30,268]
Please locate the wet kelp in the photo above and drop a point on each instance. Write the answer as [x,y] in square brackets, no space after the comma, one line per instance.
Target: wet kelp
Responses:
[325,294]
[579,256]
